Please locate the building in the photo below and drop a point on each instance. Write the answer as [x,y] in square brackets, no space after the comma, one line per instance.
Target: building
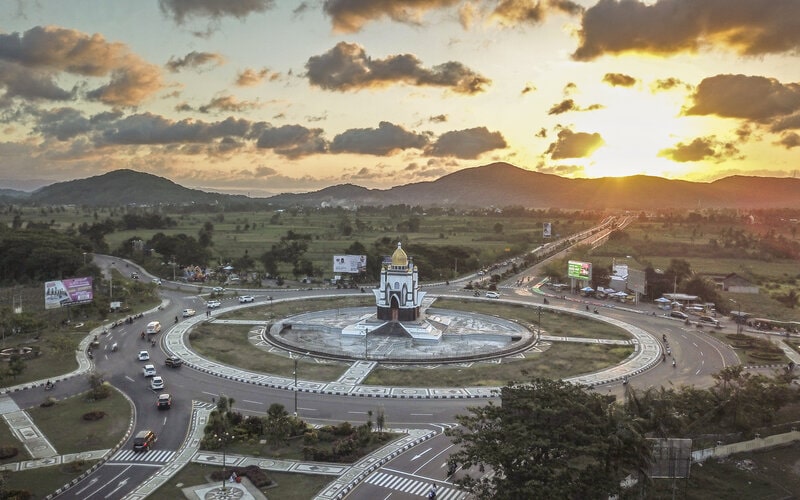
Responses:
[734,283]
[398,297]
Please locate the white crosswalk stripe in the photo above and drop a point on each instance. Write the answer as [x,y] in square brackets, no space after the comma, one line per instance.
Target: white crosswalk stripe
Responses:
[414,486]
[152,456]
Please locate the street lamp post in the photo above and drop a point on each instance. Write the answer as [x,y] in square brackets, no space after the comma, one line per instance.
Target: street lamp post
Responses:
[224,440]
[738,317]
[84,258]
[295,385]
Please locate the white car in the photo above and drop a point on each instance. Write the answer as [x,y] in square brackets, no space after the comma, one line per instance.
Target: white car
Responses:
[144,356]
[157,281]
[217,289]
[493,295]
[157,383]
[246,298]
[213,304]
[188,312]
[149,370]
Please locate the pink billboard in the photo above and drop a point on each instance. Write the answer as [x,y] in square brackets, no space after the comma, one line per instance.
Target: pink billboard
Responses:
[68,292]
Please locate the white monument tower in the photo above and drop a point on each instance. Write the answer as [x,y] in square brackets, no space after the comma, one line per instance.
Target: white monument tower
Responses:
[398,297]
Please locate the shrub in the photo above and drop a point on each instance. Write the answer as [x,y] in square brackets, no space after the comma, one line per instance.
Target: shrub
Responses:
[8,452]
[48,402]
[94,415]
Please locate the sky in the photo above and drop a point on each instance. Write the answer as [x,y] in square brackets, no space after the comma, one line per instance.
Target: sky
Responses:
[261,97]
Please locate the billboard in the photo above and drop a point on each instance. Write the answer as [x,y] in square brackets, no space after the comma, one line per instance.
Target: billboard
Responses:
[637,281]
[547,230]
[579,270]
[352,264]
[68,292]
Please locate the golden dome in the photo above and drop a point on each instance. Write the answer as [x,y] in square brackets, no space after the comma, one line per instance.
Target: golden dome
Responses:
[399,257]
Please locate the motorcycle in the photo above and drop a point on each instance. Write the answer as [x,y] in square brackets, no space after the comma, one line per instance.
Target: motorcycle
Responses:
[49,386]
[114,347]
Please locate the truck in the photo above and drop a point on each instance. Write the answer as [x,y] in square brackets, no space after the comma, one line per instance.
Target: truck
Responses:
[153,327]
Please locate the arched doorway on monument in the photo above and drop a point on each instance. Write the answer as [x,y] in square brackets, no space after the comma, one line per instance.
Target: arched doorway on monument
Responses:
[395,307]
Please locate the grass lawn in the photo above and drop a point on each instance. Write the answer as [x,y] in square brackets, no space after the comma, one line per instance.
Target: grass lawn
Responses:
[83,435]
[287,485]
[7,439]
[45,480]
[561,360]
[229,344]
[57,355]
[775,473]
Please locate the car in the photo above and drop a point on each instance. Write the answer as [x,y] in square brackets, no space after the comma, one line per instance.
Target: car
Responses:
[708,320]
[188,312]
[135,276]
[678,314]
[157,281]
[143,356]
[157,383]
[213,304]
[144,440]
[246,298]
[493,295]
[149,370]
[218,289]
[164,401]
[173,361]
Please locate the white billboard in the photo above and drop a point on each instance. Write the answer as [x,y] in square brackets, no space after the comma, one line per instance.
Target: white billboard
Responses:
[352,264]
[67,292]
[547,230]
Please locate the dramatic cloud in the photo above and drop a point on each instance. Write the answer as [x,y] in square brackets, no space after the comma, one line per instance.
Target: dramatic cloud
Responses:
[574,144]
[293,141]
[251,78]
[672,26]
[19,81]
[702,148]
[180,10]
[438,119]
[347,67]
[67,123]
[529,87]
[467,144]
[387,139]
[195,60]
[349,16]
[569,105]
[749,97]
[50,50]
[619,80]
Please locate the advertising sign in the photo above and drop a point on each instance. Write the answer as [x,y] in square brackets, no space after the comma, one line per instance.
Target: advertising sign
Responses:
[547,230]
[352,264]
[68,292]
[637,281]
[579,270]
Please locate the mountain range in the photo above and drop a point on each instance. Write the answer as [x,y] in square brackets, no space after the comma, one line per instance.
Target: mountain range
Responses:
[493,185]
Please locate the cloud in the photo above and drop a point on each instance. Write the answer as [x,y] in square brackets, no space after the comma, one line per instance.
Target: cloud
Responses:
[668,84]
[562,170]
[529,87]
[350,16]
[466,144]
[789,140]
[347,67]
[515,12]
[619,80]
[672,26]
[748,97]
[180,10]
[569,105]
[574,144]
[701,148]
[438,119]
[147,128]
[293,141]
[195,60]
[52,49]
[28,83]
[227,104]
[251,78]
[386,140]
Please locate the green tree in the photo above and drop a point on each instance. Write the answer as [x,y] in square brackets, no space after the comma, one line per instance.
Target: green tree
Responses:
[278,425]
[548,439]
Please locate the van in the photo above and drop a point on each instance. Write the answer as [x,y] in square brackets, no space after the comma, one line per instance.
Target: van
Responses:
[153,327]
[144,441]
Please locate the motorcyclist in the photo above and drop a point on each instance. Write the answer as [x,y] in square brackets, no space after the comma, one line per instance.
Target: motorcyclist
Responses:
[176,319]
